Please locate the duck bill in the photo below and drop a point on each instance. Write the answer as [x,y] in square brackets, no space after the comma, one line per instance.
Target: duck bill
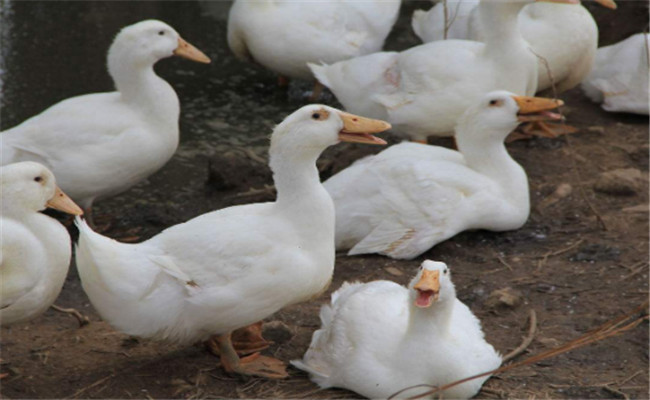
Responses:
[358,129]
[607,3]
[60,201]
[427,288]
[190,52]
[537,109]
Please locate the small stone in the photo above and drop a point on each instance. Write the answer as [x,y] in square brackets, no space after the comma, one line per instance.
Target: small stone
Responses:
[640,208]
[549,342]
[563,190]
[506,297]
[619,182]
[394,271]
[596,129]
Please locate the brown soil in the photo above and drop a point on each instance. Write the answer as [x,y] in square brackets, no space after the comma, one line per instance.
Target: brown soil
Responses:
[578,262]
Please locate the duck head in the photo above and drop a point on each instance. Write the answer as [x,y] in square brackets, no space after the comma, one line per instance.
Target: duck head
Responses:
[146,42]
[431,284]
[498,113]
[313,128]
[29,186]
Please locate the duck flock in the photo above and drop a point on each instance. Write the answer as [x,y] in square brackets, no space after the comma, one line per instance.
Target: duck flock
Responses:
[215,277]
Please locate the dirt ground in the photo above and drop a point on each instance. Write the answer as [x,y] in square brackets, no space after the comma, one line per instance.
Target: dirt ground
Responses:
[580,260]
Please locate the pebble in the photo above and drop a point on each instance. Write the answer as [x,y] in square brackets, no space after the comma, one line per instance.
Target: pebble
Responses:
[619,182]
[506,297]
[394,271]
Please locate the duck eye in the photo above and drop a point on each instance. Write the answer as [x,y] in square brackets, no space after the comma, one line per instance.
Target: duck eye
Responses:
[493,102]
[161,33]
[38,179]
[445,271]
[315,116]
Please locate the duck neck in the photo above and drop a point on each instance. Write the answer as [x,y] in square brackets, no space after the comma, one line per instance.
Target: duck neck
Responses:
[499,20]
[432,320]
[296,177]
[139,86]
[488,155]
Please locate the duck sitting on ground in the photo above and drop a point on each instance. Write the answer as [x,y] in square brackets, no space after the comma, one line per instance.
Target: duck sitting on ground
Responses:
[35,249]
[284,36]
[227,269]
[379,338]
[565,37]
[620,76]
[411,196]
[101,144]
[424,90]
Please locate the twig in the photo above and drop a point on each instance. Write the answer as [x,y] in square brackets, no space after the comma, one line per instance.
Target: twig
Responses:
[629,378]
[92,385]
[82,319]
[615,391]
[502,261]
[532,328]
[267,189]
[581,188]
[545,257]
[561,251]
[609,329]
[576,172]
[640,269]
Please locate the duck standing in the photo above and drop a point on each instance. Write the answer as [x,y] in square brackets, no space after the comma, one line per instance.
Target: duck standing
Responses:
[564,37]
[411,196]
[35,249]
[424,90]
[101,144]
[230,268]
[284,36]
[379,338]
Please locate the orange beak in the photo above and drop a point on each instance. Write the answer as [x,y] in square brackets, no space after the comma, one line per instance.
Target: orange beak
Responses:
[428,288]
[358,129]
[190,52]
[607,3]
[537,108]
[60,201]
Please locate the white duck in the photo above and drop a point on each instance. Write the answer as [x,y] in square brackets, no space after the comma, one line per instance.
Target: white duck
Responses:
[101,144]
[285,35]
[35,248]
[619,79]
[411,196]
[424,90]
[565,36]
[378,338]
[230,268]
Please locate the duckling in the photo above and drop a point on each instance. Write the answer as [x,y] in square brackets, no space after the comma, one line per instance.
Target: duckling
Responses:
[411,196]
[230,268]
[35,249]
[101,144]
[379,338]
